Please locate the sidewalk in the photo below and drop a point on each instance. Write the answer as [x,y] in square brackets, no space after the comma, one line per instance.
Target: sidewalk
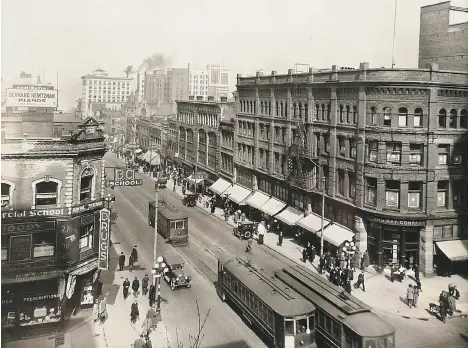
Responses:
[380,292]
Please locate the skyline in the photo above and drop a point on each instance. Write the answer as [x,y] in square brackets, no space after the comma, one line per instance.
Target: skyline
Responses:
[261,35]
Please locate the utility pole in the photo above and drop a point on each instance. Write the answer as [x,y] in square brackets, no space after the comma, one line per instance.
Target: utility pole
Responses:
[323,216]
[394,33]
[156,203]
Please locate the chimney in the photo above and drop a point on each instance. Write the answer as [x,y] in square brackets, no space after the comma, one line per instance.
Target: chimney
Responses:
[210,98]
[223,99]
[199,98]
[191,97]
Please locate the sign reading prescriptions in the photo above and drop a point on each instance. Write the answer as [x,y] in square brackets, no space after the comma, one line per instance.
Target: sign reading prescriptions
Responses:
[104,236]
[18,97]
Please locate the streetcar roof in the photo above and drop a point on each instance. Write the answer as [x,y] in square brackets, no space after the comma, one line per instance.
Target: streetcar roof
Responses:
[369,324]
[276,295]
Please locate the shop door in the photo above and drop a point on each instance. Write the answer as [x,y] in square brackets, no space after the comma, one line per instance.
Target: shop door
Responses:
[391,246]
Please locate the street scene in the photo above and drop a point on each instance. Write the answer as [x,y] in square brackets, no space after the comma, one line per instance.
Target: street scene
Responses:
[236,188]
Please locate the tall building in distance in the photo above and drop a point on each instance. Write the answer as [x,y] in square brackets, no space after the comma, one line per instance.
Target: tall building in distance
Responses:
[165,86]
[442,38]
[101,88]
[211,81]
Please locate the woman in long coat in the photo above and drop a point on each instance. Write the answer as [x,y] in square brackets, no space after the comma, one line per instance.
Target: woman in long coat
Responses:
[355,261]
[102,309]
[365,260]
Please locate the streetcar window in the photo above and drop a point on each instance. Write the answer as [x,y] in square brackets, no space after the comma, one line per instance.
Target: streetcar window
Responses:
[335,330]
[173,225]
[289,326]
[180,225]
[321,319]
[327,323]
[311,323]
[301,325]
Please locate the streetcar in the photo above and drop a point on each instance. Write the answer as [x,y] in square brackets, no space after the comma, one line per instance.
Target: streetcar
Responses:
[284,318]
[172,223]
[341,320]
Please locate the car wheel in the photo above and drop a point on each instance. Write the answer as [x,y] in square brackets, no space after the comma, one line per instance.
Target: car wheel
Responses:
[247,235]
[189,285]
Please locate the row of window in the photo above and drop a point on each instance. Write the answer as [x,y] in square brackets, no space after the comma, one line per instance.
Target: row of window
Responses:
[227,139]
[107,82]
[227,163]
[210,120]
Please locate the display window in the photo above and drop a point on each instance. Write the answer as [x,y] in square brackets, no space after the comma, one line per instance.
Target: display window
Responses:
[39,309]
[87,298]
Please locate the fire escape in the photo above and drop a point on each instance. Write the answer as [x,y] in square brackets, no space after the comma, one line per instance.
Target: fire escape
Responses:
[301,166]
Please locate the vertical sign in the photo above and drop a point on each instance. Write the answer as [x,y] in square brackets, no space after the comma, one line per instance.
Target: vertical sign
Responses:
[104,239]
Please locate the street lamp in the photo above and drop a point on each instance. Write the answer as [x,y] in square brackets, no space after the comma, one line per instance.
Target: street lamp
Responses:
[158,271]
[349,249]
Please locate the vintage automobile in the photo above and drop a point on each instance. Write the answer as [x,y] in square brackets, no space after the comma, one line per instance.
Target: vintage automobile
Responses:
[190,199]
[175,276]
[245,229]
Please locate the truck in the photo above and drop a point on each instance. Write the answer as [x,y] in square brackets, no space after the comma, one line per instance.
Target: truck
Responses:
[172,223]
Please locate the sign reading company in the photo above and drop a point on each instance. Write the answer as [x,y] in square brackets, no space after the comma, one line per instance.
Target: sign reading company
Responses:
[124,177]
[397,222]
[18,97]
[104,236]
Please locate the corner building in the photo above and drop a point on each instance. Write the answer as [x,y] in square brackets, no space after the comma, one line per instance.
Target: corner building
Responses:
[391,145]
[52,192]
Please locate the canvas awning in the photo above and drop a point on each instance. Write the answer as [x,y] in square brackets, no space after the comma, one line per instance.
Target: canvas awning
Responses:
[141,155]
[85,268]
[31,277]
[455,250]
[257,199]
[237,193]
[272,206]
[137,151]
[153,157]
[290,216]
[312,222]
[194,181]
[220,186]
[336,234]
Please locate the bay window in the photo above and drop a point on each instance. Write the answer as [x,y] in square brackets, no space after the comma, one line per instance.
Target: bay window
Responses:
[392,193]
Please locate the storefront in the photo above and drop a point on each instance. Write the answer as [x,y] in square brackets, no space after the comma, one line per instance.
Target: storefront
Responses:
[288,218]
[393,241]
[270,208]
[237,196]
[311,225]
[255,202]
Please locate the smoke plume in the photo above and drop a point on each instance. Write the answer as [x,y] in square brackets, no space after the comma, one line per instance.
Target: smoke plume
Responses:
[155,62]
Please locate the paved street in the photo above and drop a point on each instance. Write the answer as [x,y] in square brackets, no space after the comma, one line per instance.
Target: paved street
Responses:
[209,238]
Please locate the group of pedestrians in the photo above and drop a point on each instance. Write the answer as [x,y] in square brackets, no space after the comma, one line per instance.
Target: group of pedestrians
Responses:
[132,259]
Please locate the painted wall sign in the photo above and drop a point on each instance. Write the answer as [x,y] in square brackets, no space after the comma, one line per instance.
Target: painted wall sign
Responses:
[397,222]
[29,227]
[12,214]
[104,236]
[68,240]
[86,207]
[124,177]
[20,248]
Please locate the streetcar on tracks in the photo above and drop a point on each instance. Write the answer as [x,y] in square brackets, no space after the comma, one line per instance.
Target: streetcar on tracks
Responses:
[341,319]
[172,223]
[281,315]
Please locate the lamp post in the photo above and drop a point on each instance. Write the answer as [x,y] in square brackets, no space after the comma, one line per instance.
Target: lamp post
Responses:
[158,271]
[107,200]
[349,249]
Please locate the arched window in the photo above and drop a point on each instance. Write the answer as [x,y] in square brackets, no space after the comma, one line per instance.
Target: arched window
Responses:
[328,112]
[46,192]
[341,113]
[387,117]
[355,114]
[442,118]
[269,108]
[286,109]
[254,107]
[463,119]
[453,118]
[402,117]
[417,117]
[300,110]
[323,113]
[306,112]
[281,109]
[373,115]
[7,193]
[277,109]
[87,184]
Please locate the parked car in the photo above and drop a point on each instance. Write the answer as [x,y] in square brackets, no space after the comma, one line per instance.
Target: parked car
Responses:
[175,276]
[190,199]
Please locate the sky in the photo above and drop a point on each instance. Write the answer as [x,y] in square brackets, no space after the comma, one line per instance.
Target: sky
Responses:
[75,37]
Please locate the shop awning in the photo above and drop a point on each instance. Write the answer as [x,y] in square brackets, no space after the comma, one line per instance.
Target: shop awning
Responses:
[237,193]
[153,157]
[194,181]
[137,151]
[455,250]
[85,268]
[312,222]
[31,277]
[220,186]
[272,206]
[336,234]
[257,199]
[290,216]
[141,155]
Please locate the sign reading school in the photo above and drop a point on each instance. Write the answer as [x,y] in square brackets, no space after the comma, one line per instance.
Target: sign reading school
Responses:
[31,97]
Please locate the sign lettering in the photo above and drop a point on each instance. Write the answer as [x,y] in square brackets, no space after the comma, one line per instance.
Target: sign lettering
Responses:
[28,227]
[40,297]
[104,234]
[124,177]
[397,222]
[68,240]
[20,248]
[52,212]
[31,98]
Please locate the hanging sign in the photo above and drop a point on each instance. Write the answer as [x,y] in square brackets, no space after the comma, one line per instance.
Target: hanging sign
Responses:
[104,235]
[124,177]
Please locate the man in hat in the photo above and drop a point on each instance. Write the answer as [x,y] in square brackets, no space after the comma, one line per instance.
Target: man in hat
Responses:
[144,284]
[361,281]
[121,261]
[135,286]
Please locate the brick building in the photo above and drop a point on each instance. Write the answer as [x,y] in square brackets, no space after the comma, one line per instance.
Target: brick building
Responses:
[52,195]
[440,40]
[389,143]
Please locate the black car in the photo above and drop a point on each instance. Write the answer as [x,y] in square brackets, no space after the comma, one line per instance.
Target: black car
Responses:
[245,229]
[175,276]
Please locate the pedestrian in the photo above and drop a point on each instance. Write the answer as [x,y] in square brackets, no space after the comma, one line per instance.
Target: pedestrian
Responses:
[410,295]
[280,239]
[135,254]
[134,312]
[312,252]
[183,189]
[342,261]
[146,327]
[130,262]
[135,286]
[243,216]
[304,255]
[213,208]
[103,309]
[361,281]
[121,261]
[415,295]
[144,284]
[355,261]
[148,342]
[321,264]
[152,315]
[365,261]
[125,287]
[226,213]
[96,310]
[152,295]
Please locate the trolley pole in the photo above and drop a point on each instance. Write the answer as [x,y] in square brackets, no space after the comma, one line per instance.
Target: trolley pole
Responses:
[323,216]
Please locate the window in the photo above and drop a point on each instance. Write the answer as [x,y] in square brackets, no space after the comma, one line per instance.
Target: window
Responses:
[458,187]
[326,140]
[373,116]
[402,117]
[416,154]
[387,117]
[352,148]
[392,193]
[341,114]
[443,153]
[6,191]
[373,150]
[342,147]
[355,114]
[46,193]
[371,191]
[289,326]
[458,155]
[463,119]
[442,118]
[393,153]
[340,182]
[86,232]
[442,193]
[348,114]
[301,325]
[44,244]
[453,119]
[352,184]
[414,194]
[86,184]
[417,117]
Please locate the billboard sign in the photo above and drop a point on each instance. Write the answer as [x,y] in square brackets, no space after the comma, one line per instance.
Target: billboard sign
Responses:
[124,177]
[32,97]
[104,236]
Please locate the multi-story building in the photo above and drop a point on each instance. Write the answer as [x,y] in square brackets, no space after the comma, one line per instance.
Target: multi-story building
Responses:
[101,88]
[52,196]
[164,87]
[199,135]
[211,81]
[442,41]
[140,88]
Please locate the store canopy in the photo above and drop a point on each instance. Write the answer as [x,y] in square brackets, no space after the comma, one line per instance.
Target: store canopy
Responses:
[336,234]
[257,199]
[272,206]
[194,180]
[152,157]
[220,186]
[141,155]
[31,277]
[312,223]
[455,250]
[137,151]
[237,193]
[290,216]
[85,268]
